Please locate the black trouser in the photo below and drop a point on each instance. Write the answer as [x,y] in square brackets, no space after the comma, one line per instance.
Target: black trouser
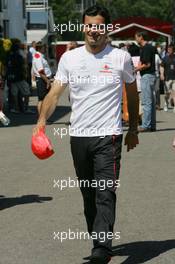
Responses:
[42,90]
[29,74]
[98,160]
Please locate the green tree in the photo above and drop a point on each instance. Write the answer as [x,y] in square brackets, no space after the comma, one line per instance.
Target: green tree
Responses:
[151,8]
[65,11]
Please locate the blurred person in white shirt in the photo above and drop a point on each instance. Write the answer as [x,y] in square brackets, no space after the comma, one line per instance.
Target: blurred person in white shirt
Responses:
[42,73]
[31,53]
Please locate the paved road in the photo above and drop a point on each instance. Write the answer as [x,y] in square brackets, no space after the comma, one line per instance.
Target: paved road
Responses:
[32,209]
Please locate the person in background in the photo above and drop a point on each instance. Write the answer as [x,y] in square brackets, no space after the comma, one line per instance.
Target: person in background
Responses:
[122,46]
[134,51]
[16,78]
[30,55]
[167,74]
[127,45]
[71,45]
[32,49]
[42,73]
[147,72]
[158,62]
[159,49]
[163,51]
[24,99]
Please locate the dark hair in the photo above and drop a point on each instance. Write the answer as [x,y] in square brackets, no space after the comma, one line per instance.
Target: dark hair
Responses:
[121,45]
[143,34]
[39,45]
[15,44]
[134,50]
[98,10]
[171,46]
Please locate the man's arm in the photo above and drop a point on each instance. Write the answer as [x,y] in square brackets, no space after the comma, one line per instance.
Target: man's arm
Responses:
[146,59]
[142,67]
[133,105]
[49,104]
[131,139]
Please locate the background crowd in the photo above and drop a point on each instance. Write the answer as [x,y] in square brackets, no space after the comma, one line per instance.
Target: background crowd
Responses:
[25,68]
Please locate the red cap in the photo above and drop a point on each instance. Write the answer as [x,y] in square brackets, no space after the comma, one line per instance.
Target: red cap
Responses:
[41,145]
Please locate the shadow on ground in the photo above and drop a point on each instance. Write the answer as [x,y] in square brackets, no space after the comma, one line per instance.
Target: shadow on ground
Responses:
[157,130]
[165,129]
[7,202]
[141,252]
[31,119]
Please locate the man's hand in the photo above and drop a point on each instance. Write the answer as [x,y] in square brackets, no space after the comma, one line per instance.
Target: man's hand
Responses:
[143,66]
[49,104]
[131,140]
[40,125]
[46,79]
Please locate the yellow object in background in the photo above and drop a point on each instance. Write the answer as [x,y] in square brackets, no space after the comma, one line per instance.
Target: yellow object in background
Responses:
[7,44]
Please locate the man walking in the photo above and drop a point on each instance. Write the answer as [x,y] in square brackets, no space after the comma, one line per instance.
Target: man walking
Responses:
[147,72]
[95,77]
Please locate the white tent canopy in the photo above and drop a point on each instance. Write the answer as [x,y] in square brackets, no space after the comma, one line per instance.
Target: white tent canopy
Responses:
[144,28]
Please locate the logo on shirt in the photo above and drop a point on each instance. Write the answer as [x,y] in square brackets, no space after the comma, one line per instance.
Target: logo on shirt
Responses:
[37,55]
[106,68]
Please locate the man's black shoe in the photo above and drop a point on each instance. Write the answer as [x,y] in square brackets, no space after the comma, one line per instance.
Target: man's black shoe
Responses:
[87,258]
[100,257]
[153,129]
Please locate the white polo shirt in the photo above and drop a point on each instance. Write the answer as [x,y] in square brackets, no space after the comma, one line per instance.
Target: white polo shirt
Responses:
[32,51]
[95,82]
[40,64]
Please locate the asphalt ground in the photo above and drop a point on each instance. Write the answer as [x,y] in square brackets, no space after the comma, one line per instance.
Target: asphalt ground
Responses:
[33,209]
